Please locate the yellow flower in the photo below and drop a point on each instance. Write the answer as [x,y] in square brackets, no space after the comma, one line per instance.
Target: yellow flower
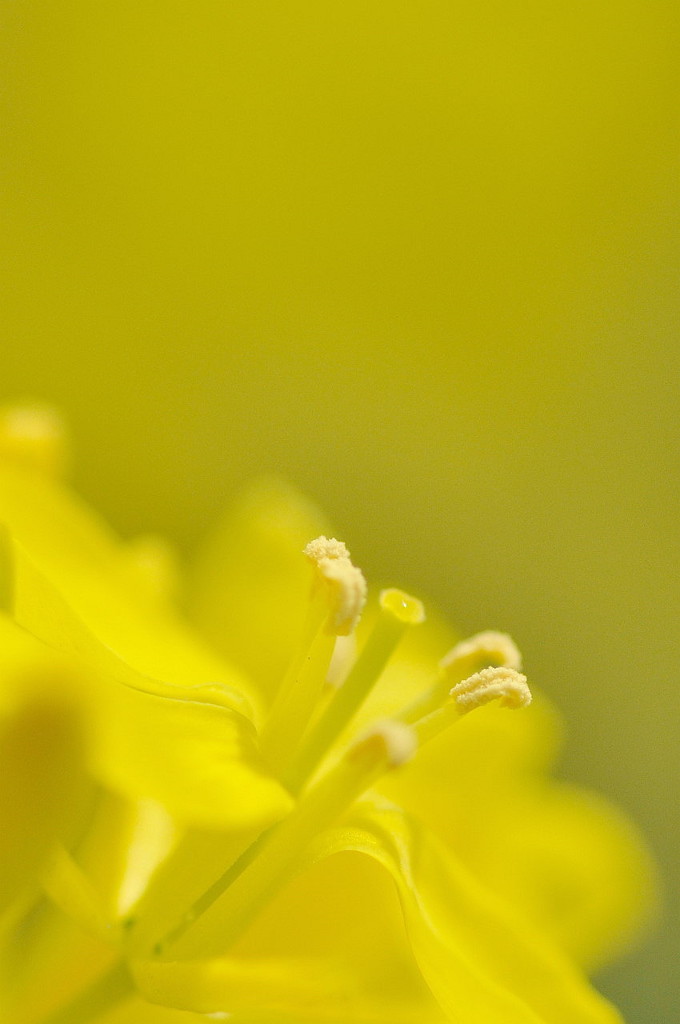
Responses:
[306,815]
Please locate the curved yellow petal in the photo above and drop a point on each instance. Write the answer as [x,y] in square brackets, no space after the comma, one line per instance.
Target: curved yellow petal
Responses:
[331,947]
[183,740]
[251,583]
[147,740]
[104,584]
[480,959]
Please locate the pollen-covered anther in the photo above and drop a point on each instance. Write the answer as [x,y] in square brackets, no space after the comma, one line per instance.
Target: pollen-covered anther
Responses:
[495,683]
[326,547]
[345,583]
[480,651]
[388,742]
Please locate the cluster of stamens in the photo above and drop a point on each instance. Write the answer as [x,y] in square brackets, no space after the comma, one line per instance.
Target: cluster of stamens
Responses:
[308,740]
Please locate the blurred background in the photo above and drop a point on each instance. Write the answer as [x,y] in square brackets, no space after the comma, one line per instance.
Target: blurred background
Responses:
[419,258]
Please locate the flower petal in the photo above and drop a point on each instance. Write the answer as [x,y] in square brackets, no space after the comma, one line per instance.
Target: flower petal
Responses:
[564,857]
[152,740]
[180,736]
[331,947]
[40,757]
[480,960]
[251,585]
[340,916]
[105,587]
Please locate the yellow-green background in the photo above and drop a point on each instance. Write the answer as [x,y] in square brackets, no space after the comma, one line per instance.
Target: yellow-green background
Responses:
[420,256]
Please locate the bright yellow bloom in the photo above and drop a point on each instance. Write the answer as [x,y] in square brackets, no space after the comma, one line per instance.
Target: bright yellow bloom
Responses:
[308,815]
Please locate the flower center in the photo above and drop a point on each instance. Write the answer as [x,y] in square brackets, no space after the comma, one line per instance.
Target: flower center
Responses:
[303,738]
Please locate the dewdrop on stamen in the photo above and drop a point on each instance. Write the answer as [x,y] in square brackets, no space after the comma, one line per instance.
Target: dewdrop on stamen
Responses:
[503,684]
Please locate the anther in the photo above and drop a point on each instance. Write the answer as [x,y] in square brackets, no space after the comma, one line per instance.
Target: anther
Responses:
[326,547]
[338,597]
[467,657]
[499,683]
[480,651]
[387,742]
[345,583]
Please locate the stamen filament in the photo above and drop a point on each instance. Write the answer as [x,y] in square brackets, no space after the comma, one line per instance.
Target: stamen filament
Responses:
[397,611]
[434,723]
[296,701]
[213,893]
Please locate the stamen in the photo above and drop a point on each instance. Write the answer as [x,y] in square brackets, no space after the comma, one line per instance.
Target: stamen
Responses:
[295,702]
[467,657]
[34,436]
[397,611]
[346,583]
[338,597]
[504,684]
[494,683]
[278,854]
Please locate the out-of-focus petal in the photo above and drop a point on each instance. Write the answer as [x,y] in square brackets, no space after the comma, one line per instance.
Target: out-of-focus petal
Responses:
[560,854]
[575,865]
[40,757]
[105,588]
[251,585]
[162,724]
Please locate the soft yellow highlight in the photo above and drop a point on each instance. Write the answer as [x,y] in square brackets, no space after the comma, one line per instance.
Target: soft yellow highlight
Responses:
[34,436]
